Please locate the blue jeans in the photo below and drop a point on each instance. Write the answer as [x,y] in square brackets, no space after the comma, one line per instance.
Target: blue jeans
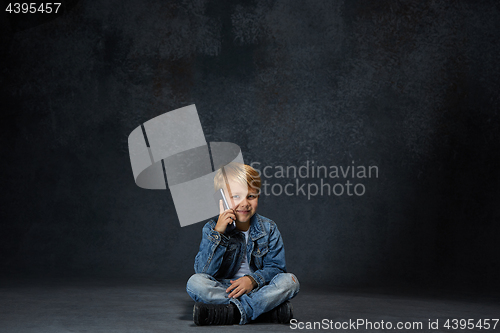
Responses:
[206,289]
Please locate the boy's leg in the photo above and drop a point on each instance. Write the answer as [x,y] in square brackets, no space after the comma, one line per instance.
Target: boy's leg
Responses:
[212,305]
[281,288]
[206,289]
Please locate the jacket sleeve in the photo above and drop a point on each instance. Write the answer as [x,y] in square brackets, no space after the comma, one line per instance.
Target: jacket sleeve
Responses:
[273,261]
[212,248]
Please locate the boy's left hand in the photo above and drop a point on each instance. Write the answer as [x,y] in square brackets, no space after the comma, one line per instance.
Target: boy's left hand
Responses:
[240,287]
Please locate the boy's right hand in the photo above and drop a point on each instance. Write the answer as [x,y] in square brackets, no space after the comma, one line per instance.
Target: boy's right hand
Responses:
[226,217]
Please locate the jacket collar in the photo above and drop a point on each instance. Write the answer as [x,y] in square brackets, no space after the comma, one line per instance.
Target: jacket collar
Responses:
[257,229]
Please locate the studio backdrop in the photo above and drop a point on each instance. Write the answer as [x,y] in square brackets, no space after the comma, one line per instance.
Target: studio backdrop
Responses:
[374,125]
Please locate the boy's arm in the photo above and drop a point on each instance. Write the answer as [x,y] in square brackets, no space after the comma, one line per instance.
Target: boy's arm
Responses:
[212,248]
[273,261]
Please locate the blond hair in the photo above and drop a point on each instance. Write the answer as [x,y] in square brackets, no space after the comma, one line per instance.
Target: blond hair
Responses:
[241,173]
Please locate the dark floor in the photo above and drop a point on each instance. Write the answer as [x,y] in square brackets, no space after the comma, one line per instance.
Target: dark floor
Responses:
[115,306]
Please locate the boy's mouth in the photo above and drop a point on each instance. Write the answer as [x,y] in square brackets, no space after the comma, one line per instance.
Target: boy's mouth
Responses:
[243,211]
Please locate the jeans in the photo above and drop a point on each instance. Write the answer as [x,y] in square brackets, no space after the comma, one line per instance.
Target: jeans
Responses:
[206,289]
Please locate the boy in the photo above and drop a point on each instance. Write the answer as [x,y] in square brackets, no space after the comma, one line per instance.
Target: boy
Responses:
[240,267]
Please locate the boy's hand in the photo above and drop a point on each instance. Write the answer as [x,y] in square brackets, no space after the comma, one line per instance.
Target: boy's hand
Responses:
[240,287]
[226,217]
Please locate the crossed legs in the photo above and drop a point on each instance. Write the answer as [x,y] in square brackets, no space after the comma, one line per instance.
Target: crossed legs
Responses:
[206,289]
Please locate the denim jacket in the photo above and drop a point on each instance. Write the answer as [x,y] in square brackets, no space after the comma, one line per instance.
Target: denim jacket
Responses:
[220,255]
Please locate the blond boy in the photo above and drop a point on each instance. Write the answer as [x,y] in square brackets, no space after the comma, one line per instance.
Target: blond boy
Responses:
[240,267]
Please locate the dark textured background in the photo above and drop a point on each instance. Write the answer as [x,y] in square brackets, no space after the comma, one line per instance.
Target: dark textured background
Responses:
[409,86]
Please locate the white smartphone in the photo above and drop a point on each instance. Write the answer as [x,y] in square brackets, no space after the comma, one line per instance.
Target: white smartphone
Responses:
[219,195]
[224,200]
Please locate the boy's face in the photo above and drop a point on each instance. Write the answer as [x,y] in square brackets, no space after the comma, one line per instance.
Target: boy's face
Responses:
[244,201]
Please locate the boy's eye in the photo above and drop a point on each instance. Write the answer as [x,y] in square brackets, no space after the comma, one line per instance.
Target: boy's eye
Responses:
[236,196]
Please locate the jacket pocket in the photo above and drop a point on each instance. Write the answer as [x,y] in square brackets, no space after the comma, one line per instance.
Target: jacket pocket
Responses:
[258,254]
[260,251]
